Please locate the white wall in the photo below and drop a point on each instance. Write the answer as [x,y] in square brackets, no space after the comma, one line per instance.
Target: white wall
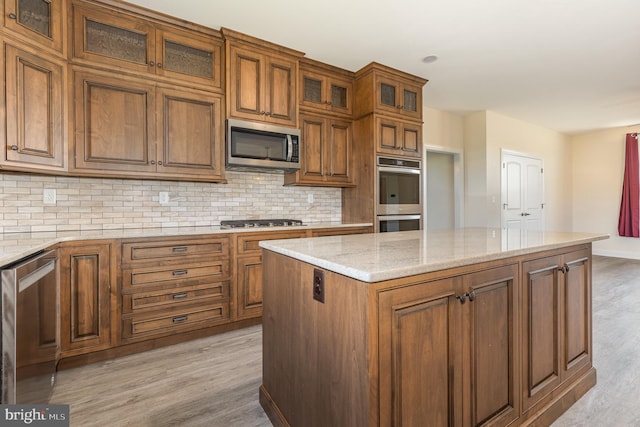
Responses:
[475,169]
[598,166]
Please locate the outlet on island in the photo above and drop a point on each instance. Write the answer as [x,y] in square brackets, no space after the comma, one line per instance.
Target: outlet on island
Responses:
[318,285]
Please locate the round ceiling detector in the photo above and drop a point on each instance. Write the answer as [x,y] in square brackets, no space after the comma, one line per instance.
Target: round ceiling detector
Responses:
[429,59]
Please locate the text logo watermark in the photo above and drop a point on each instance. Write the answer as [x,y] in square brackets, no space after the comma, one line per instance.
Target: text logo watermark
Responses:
[34,415]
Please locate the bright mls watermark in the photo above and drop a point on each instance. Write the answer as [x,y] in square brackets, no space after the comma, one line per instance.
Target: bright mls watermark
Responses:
[34,415]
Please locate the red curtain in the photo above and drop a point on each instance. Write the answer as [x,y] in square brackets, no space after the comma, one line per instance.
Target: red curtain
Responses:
[629,222]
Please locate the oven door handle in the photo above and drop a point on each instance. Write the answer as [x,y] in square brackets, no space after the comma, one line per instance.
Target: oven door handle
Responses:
[31,278]
[409,171]
[397,217]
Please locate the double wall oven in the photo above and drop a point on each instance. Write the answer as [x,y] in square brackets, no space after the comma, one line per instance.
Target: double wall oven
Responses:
[399,194]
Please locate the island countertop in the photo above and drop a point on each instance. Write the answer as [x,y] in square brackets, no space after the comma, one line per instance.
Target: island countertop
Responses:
[385,256]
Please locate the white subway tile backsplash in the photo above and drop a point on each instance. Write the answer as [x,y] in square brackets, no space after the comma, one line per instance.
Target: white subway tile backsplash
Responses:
[94,203]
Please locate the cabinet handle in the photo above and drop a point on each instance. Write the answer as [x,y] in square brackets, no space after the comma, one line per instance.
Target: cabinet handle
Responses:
[180,295]
[153,162]
[179,319]
[13,16]
[462,298]
[180,272]
[151,63]
[14,148]
[159,64]
[179,249]
[160,162]
[472,296]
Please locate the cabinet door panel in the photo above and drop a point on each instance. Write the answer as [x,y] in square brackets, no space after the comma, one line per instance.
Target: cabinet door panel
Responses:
[411,140]
[313,136]
[387,135]
[541,343]
[34,97]
[419,353]
[85,298]
[249,290]
[245,89]
[577,300]
[494,368]
[191,128]
[114,124]
[41,21]
[281,91]
[339,150]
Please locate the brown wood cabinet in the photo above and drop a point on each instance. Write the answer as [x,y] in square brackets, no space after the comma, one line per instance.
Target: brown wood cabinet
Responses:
[249,269]
[448,351]
[133,127]
[261,80]
[398,138]
[325,89]
[39,22]
[174,285]
[325,153]
[119,39]
[497,343]
[556,326]
[387,91]
[33,98]
[85,297]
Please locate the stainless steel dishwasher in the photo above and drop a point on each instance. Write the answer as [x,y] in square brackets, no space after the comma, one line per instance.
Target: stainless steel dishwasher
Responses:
[29,329]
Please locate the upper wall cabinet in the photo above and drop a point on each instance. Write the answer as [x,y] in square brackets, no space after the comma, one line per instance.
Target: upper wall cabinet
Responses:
[325,89]
[261,80]
[37,21]
[383,90]
[116,39]
[33,99]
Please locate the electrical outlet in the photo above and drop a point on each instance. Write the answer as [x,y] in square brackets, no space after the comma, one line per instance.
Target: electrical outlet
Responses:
[49,196]
[163,197]
[318,285]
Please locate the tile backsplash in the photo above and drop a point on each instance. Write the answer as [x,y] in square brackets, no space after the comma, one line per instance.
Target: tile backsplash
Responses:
[101,203]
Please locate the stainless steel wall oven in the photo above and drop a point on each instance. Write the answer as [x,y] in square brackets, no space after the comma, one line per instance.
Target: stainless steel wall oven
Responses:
[398,194]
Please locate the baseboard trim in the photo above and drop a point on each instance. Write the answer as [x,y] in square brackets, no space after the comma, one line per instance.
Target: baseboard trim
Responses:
[271,409]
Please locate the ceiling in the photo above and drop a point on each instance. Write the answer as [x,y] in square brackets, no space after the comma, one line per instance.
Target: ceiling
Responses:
[568,65]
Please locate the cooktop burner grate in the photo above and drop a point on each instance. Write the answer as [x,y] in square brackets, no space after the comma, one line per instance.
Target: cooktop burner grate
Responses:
[260,223]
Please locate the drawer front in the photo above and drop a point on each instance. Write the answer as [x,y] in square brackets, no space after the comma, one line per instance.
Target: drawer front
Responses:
[339,231]
[248,244]
[165,323]
[177,249]
[165,275]
[173,298]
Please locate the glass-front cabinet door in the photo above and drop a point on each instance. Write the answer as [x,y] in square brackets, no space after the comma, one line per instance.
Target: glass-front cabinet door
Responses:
[38,20]
[326,93]
[399,98]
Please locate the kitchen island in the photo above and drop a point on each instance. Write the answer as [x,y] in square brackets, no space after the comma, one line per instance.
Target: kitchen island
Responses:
[455,327]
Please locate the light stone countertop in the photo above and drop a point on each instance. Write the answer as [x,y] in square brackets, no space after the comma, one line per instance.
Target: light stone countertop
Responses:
[15,246]
[385,256]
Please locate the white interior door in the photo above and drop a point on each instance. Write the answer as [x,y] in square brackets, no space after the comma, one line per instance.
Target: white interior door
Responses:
[522,195]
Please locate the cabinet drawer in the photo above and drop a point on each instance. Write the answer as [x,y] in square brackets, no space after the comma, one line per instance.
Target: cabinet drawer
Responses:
[165,275]
[176,249]
[248,244]
[340,231]
[180,320]
[172,298]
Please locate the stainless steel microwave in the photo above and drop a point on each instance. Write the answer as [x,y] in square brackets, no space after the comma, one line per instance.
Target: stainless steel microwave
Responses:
[252,145]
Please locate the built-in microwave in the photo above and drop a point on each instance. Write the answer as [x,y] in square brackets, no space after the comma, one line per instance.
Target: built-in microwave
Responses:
[252,145]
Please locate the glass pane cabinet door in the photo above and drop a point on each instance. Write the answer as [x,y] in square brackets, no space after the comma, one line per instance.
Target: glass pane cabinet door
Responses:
[410,101]
[38,20]
[339,96]
[188,60]
[35,15]
[114,42]
[312,90]
[387,95]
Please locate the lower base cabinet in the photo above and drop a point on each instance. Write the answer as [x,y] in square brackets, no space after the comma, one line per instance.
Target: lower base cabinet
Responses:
[85,297]
[448,353]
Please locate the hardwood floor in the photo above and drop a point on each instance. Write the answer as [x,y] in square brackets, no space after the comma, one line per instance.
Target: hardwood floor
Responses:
[214,381]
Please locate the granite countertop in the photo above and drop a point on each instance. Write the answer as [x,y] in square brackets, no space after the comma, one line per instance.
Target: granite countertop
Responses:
[385,256]
[14,246]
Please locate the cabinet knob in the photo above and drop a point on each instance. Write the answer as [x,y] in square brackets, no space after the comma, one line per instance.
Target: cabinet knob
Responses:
[564,269]
[14,147]
[151,63]
[328,103]
[153,162]
[13,16]
[462,298]
[263,112]
[472,296]
[159,162]
[399,107]
[267,113]
[159,64]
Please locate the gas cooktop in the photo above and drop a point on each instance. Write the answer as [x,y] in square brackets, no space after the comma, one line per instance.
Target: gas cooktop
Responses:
[246,223]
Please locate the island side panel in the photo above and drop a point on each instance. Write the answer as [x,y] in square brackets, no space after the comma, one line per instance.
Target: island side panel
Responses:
[315,370]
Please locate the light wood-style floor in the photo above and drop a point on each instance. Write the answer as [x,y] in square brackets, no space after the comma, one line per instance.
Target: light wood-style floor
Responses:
[214,381]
